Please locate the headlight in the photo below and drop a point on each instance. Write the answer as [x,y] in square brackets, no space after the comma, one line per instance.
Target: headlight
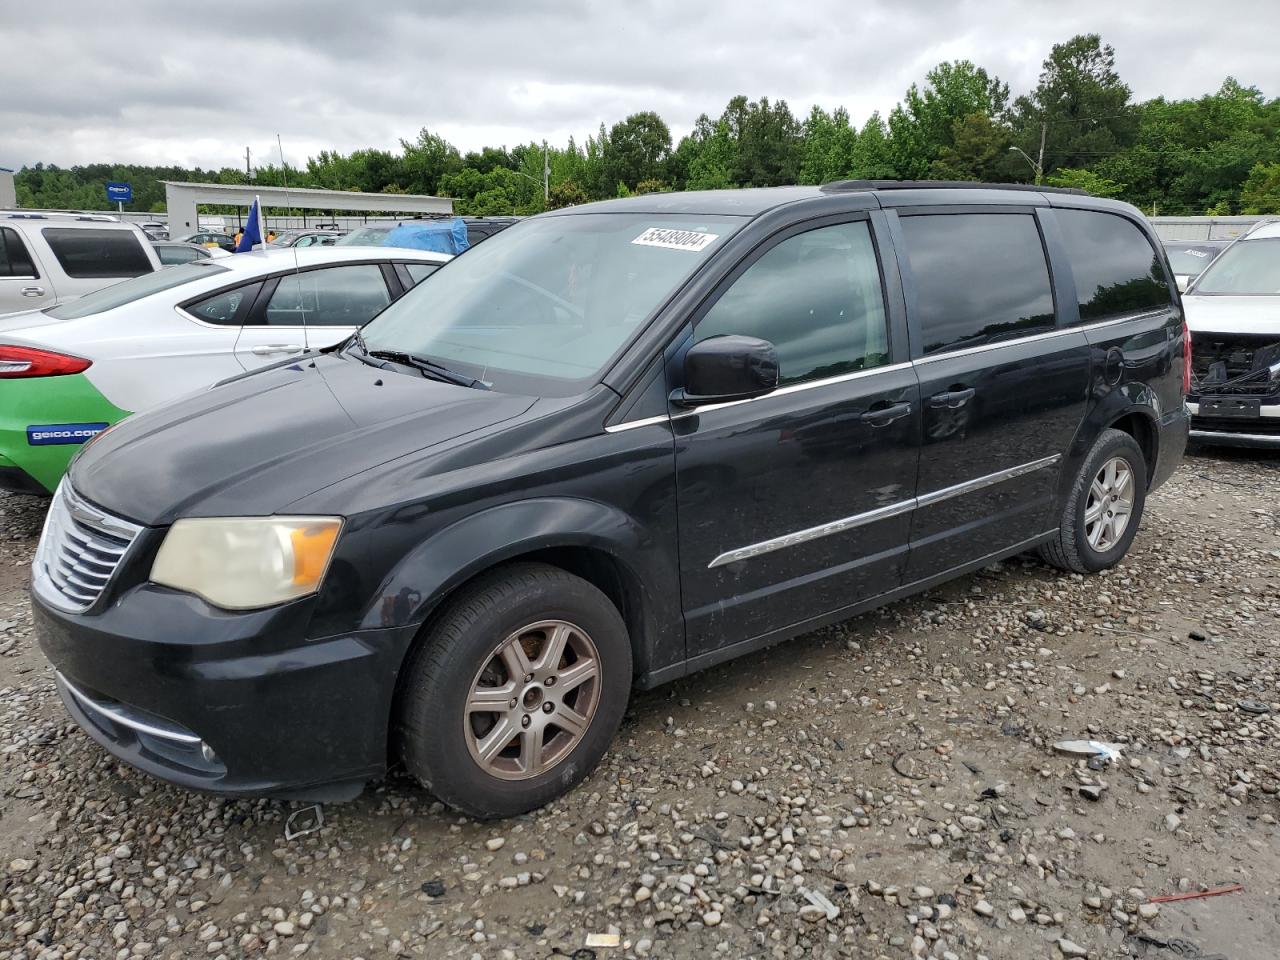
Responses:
[245,562]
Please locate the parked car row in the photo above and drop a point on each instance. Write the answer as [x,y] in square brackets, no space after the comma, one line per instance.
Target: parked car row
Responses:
[73,370]
[609,446]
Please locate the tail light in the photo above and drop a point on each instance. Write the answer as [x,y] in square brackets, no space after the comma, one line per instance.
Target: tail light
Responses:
[1186,358]
[30,362]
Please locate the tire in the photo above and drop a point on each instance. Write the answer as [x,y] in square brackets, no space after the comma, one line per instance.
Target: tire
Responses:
[1072,548]
[515,611]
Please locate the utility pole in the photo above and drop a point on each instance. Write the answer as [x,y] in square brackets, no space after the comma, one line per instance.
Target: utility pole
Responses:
[546,176]
[248,171]
[1044,129]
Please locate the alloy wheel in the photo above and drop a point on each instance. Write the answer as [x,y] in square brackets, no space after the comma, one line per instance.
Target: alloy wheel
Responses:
[1110,504]
[532,700]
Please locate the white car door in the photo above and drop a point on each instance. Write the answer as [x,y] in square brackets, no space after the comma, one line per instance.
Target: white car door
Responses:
[312,308]
[24,284]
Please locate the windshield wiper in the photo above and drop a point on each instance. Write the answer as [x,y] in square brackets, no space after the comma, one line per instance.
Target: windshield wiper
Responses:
[428,367]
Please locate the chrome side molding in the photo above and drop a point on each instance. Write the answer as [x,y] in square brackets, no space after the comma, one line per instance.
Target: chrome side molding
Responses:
[879,513]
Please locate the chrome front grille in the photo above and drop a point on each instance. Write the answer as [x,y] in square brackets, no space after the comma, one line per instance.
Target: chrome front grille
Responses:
[79,551]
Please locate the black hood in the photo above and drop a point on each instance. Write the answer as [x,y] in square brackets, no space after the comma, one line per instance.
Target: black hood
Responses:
[253,446]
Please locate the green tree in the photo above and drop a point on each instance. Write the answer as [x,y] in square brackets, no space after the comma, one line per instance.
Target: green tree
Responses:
[426,160]
[924,124]
[767,142]
[1086,180]
[636,149]
[829,146]
[1261,191]
[1080,105]
[979,150]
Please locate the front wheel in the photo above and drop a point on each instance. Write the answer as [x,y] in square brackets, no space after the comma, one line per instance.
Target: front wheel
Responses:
[517,691]
[1104,508]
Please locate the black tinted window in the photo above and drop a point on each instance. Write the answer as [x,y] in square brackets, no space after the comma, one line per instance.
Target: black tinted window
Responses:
[171,255]
[14,259]
[979,278]
[224,307]
[97,253]
[817,298]
[1115,267]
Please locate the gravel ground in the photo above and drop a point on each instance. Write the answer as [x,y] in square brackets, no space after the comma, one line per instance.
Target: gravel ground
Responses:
[884,788]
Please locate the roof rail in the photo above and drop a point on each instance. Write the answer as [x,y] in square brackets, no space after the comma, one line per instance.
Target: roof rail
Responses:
[849,186]
[58,215]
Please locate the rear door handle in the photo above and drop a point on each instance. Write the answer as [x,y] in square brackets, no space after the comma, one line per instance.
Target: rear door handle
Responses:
[267,349]
[33,291]
[951,399]
[883,416]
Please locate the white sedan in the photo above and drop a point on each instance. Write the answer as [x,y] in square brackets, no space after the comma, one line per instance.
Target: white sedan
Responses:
[68,372]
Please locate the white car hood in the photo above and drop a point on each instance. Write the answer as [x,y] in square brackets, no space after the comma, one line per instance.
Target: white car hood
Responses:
[1233,314]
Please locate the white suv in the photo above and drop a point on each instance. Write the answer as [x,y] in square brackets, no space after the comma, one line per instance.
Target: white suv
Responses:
[46,258]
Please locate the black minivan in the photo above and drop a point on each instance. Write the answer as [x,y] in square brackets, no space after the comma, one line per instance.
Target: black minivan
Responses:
[609,446]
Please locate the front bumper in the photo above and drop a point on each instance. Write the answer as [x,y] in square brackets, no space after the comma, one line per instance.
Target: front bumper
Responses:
[1260,431]
[230,703]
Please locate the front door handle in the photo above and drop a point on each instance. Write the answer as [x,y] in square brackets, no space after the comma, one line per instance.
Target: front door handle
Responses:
[266,349]
[883,416]
[33,291]
[951,399]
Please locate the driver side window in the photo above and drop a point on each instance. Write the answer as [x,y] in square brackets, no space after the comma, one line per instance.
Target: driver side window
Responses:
[817,298]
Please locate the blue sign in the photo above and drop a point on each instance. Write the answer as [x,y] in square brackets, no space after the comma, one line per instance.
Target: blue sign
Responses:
[40,436]
[120,192]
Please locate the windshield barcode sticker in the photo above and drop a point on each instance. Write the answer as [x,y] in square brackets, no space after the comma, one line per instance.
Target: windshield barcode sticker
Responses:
[675,239]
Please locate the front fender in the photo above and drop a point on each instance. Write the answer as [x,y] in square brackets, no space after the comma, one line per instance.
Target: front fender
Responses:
[433,569]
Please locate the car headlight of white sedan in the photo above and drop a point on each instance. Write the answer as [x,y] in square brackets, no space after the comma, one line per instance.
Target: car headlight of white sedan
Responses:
[242,563]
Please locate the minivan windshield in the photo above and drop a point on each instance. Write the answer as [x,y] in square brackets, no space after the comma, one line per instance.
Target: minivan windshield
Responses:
[1246,268]
[127,291]
[542,306]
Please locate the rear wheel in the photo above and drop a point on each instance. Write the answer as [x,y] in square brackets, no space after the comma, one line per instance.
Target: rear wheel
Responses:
[1104,508]
[516,692]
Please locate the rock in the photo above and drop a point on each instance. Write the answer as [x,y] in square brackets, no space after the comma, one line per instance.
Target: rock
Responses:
[1091,792]
[984,909]
[711,918]
[495,844]
[1148,911]
[20,865]
[1071,949]
[1018,915]
[1172,822]
[283,928]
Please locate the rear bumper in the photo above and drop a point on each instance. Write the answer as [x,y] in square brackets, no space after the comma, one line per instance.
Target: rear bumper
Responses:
[240,704]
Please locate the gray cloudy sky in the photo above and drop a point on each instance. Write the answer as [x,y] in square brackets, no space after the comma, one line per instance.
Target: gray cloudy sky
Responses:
[194,83]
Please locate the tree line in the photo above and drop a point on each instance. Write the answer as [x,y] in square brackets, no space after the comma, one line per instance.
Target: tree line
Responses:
[1078,127]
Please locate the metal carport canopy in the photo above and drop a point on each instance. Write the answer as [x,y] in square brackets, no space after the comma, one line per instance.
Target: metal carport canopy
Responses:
[182,198]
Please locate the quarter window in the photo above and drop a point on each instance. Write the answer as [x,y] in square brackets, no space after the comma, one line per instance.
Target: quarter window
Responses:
[979,278]
[333,297]
[817,298]
[224,308]
[86,254]
[420,271]
[1116,269]
[14,259]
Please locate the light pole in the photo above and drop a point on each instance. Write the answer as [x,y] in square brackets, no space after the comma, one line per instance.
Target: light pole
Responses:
[1035,167]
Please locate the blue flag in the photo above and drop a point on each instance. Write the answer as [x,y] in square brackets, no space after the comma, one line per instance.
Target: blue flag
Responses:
[253,232]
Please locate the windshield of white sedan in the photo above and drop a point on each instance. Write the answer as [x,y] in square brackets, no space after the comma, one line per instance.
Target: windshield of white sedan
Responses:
[1248,268]
[127,291]
[545,304]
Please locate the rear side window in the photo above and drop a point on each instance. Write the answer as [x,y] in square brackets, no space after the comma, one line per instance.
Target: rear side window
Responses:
[420,271]
[224,307]
[331,297]
[86,254]
[171,255]
[1116,269]
[15,261]
[979,278]
[817,298]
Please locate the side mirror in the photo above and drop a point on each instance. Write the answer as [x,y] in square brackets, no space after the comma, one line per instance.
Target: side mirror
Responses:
[721,369]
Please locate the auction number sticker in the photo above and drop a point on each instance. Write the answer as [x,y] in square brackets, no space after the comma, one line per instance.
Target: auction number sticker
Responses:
[675,239]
